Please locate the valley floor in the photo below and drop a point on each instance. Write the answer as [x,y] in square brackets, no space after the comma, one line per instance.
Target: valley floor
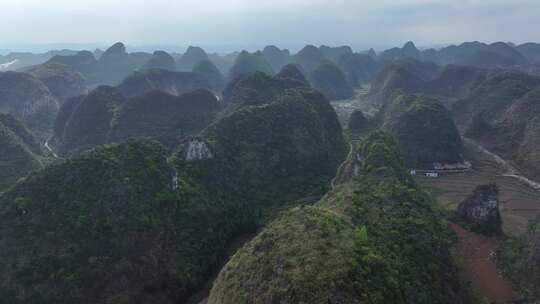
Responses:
[478,256]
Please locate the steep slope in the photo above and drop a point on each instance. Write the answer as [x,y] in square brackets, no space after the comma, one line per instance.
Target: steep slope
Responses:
[83,62]
[175,83]
[215,78]
[358,68]
[376,239]
[191,57]
[106,115]
[334,53]
[108,227]
[330,80]
[160,60]
[114,65]
[424,130]
[29,100]
[131,226]
[20,153]
[309,58]
[449,83]
[276,58]
[294,72]
[503,115]
[247,64]
[289,138]
[62,80]
[531,51]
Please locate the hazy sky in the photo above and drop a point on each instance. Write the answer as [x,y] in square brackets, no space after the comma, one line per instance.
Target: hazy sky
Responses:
[288,23]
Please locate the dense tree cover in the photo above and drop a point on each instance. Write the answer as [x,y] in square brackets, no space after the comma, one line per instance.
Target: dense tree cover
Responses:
[334,53]
[20,152]
[309,58]
[160,60]
[191,57]
[358,68]
[276,58]
[106,115]
[175,83]
[29,100]
[215,78]
[294,72]
[249,63]
[62,80]
[129,223]
[519,259]
[292,143]
[108,227]
[377,239]
[424,130]
[358,122]
[330,80]
[502,114]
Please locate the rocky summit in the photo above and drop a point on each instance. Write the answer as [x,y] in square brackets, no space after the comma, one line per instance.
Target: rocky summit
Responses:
[481,210]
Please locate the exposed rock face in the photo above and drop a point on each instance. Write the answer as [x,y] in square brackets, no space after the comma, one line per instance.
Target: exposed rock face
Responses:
[247,64]
[20,153]
[191,57]
[330,80]
[174,83]
[285,134]
[211,73]
[276,57]
[293,71]
[424,130]
[62,80]
[481,210]
[197,149]
[29,100]
[106,115]
[160,60]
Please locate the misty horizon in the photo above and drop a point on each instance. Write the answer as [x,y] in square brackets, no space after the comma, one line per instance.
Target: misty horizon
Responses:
[225,26]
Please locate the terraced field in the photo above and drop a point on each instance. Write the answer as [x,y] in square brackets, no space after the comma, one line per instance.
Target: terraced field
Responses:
[519,201]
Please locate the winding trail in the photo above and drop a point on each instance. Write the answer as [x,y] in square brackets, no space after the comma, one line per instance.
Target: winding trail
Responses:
[338,171]
[511,171]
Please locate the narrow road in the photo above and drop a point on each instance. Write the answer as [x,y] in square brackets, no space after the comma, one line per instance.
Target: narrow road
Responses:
[511,171]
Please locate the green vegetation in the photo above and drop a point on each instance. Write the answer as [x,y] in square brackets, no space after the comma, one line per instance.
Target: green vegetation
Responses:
[211,73]
[377,239]
[29,100]
[106,116]
[424,130]
[330,80]
[520,261]
[128,223]
[20,153]
[62,80]
[160,60]
[108,228]
[247,64]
